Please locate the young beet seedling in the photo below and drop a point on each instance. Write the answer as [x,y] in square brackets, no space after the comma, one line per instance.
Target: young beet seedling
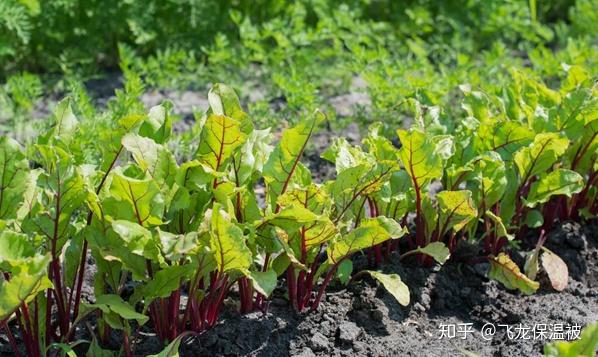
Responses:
[424,157]
[304,245]
[363,186]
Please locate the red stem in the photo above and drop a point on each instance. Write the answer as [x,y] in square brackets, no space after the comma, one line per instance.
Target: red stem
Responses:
[329,276]
[127,345]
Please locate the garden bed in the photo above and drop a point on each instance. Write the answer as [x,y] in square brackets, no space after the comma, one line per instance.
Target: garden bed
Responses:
[363,318]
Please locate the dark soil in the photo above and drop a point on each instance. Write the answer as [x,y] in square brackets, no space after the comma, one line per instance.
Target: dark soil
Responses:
[364,320]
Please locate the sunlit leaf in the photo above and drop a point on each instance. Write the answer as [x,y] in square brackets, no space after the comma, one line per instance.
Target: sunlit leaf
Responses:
[505,271]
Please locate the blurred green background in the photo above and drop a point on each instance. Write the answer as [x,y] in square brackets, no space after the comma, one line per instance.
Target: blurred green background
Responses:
[285,57]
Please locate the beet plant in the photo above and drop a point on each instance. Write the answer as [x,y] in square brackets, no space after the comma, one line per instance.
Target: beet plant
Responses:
[363,184]
[318,249]
[437,220]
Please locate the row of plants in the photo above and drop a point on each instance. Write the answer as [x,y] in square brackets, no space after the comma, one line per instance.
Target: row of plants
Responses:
[192,229]
[186,233]
[287,66]
[298,54]
[75,35]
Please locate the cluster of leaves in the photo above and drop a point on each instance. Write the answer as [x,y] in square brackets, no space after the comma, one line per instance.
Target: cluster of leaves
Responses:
[184,233]
[528,154]
[585,347]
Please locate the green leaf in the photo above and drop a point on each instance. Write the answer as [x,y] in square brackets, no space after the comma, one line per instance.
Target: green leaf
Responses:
[137,239]
[28,278]
[228,243]
[219,138]
[13,177]
[176,246]
[436,250]
[420,157]
[558,182]
[253,155]
[158,123]
[540,155]
[281,263]
[194,176]
[583,153]
[490,180]
[400,198]
[584,347]
[505,271]
[504,136]
[63,192]
[346,156]
[576,75]
[312,197]
[501,230]
[264,282]
[285,158]
[66,122]
[163,283]
[444,146]
[224,101]
[393,284]
[371,231]
[456,210]
[130,121]
[114,308]
[30,195]
[291,258]
[152,158]
[569,116]
[344,270]
[293,217]
[112,251]
[476,103]
[311,205]
[379,146]
[530,267]
[357,182]
[13,247]
[534,219]
[137,200]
